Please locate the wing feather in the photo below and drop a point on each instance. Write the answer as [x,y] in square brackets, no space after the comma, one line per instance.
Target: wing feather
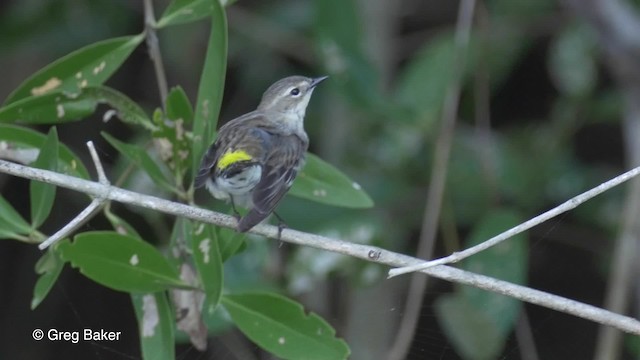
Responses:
[231,135]
[279,171]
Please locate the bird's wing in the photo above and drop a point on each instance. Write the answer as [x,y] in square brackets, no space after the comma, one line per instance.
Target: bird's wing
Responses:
[237,134]
[280,169]
[206,165]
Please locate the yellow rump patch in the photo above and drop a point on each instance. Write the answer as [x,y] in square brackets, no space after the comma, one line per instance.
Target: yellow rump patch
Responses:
[232,157]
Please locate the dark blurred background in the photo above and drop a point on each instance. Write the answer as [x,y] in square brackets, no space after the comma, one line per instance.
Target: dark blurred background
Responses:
[546,112]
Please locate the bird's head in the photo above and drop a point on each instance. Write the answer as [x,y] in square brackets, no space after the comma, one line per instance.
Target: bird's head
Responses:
[289,96]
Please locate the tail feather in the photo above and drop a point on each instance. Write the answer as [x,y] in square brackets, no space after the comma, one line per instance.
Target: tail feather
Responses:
[251,219]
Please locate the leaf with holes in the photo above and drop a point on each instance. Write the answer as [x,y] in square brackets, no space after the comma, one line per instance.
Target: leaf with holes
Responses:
[280,326]
[120,262]
[206,255]
[321,182]
[51,108]
[58,107]
[155,325]
[89,66]
[49,267]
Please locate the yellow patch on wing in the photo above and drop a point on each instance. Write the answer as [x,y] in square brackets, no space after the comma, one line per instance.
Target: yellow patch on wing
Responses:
[232,157]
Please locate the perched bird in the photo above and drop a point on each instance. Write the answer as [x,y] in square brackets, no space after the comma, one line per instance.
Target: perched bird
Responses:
[256,157]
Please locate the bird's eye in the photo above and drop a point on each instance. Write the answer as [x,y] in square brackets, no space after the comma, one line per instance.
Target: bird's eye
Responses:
[295,92]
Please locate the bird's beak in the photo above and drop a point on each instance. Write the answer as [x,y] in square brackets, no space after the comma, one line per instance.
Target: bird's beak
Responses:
[318,80]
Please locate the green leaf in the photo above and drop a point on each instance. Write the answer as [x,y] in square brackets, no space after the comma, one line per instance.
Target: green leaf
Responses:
[339,41]
[472,333]
[26,142]
[155,325]
[120,225]
[42,194]
[89,66]
[206,255]
[59,107]
[506,261]
[12,225]
[211,86]
[120,262]
[230,242]
[7,233]
[469,200]
[172,140]
[423,84]
[280,326]
[572,61]
[179,240]
[185,11]
[179,106]
[51,108]
[126,109]
[48,267]
[319,181]
[632,344]
[141,158]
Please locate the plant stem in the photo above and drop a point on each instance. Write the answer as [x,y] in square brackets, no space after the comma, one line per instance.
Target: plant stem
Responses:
[154,49]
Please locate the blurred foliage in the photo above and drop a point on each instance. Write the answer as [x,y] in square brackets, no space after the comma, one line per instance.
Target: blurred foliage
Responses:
[538,123]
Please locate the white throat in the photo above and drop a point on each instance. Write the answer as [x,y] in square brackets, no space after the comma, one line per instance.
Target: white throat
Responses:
[293,118]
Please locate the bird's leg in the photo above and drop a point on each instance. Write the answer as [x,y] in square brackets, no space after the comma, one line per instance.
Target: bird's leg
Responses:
[281,225]
[236,214]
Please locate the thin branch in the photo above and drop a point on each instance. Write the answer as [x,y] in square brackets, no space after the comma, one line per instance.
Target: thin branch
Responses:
[154,49]
[435,193]
[365,252]
[85,214]
[564,207]
[102,177]
[74,224]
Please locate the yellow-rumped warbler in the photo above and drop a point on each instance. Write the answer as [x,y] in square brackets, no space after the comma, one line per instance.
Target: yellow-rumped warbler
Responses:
[256,156]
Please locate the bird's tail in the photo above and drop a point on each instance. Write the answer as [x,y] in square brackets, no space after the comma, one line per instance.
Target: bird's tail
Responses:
[251,219]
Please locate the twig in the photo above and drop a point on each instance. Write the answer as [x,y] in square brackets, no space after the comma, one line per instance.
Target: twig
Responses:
[154,49]
[564,207]
[85,214]
[102,177]
[435,193]
[365,252]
